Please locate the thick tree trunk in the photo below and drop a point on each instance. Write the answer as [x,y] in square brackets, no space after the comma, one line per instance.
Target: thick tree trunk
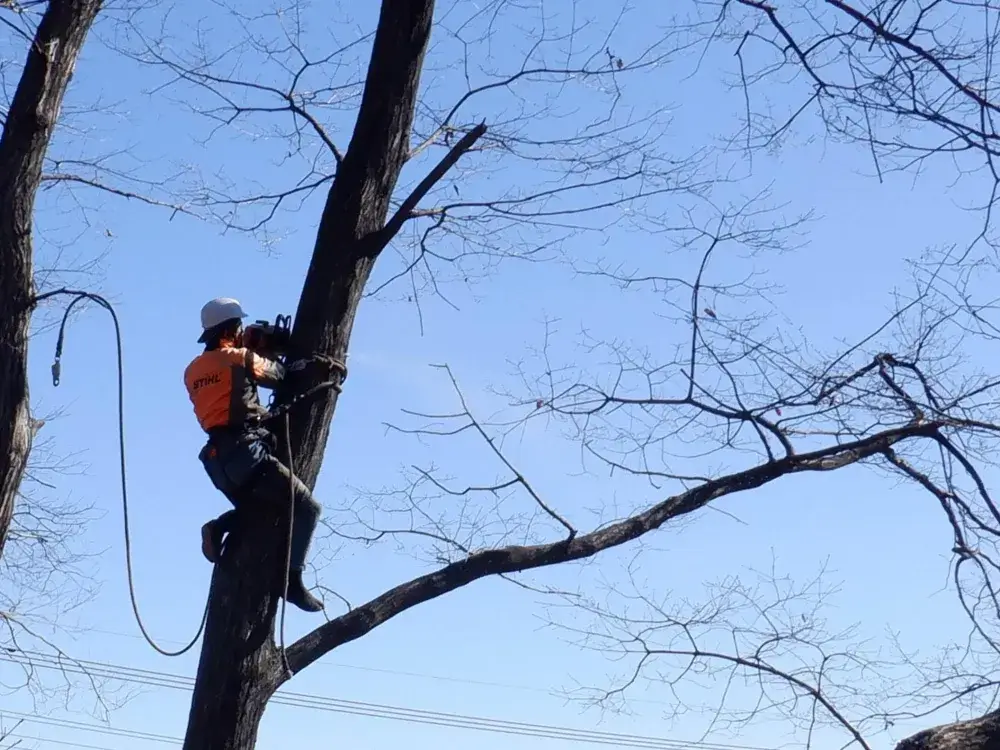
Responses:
[240,665]
[982,733]
[348,241]
[27,132]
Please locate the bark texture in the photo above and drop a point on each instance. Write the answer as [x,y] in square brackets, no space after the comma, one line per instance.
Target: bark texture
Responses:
[350,238]
[240,665]
[982,733]
[27,133]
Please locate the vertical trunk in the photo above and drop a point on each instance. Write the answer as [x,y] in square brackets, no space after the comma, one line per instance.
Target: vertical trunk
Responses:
[240,666]
[357,206]
[14,434]
[27,132]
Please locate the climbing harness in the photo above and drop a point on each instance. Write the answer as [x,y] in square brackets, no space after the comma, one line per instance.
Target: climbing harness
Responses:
[282,411]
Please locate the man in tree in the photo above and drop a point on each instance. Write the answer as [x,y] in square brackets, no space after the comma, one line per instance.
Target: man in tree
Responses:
[238,457]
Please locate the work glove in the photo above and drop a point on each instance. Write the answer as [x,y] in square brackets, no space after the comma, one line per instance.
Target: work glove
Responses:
[329,363]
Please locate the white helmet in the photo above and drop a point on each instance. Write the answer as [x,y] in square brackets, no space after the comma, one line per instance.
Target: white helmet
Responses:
[217,311]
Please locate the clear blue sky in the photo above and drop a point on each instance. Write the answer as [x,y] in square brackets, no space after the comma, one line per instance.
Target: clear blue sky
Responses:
[484,650]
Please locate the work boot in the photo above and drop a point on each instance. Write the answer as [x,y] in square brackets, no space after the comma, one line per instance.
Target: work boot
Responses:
[211,541]
[299,595]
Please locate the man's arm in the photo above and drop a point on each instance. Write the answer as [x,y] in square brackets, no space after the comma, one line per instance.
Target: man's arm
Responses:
[264,371]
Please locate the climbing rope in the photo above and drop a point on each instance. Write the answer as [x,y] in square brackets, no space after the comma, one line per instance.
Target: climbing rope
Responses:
[288,548]
[56,372]
[279,411]
[283,412]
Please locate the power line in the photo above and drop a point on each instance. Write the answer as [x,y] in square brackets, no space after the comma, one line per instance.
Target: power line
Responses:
[358,708]
[61,743]
[78,726]
[132,734]
[334,664]
[330,664]
[153,678]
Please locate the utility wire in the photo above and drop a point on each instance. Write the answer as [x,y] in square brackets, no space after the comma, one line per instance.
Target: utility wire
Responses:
[153,678]
[61,743]
[133,734]
[333,664]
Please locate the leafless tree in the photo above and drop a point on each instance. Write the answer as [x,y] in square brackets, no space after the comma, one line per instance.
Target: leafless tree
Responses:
[749,652]
[913,82]
[51,38]
[51,173]
[45,574]
[449,170]
[46,163]
[28,125]
[727,402]
[40,150]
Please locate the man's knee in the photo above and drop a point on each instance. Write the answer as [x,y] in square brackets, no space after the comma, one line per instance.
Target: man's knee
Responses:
[273,478]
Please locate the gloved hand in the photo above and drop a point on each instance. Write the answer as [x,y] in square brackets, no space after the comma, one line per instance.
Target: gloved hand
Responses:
[329,363]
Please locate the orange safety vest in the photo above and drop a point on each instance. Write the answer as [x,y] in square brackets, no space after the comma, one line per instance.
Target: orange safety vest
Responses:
[222,385]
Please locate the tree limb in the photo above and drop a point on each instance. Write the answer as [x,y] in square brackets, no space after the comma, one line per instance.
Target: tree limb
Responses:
[405,211]
[367,617]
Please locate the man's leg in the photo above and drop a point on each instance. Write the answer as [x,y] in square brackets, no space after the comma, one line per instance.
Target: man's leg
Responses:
[307,513]
[274,485]
[214,457]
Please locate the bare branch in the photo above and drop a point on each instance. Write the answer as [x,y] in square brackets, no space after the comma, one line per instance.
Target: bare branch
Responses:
[516,559]
[409,205]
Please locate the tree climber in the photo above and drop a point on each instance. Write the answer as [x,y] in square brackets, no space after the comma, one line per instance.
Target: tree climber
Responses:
[238,457]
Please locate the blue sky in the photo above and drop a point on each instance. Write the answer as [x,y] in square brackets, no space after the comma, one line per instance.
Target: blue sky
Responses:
[486,650]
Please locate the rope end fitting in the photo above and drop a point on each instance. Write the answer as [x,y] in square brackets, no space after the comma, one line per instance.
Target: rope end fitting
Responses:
[56,372]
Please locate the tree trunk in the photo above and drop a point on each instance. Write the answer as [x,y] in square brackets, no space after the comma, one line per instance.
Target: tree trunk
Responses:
[982,733]
[240,666]
[348,243]
[27,132]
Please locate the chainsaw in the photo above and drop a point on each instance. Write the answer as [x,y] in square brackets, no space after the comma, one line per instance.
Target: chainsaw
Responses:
[271,340]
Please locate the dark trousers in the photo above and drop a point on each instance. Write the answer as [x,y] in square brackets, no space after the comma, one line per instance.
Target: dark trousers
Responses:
[273,486]
[265,483]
